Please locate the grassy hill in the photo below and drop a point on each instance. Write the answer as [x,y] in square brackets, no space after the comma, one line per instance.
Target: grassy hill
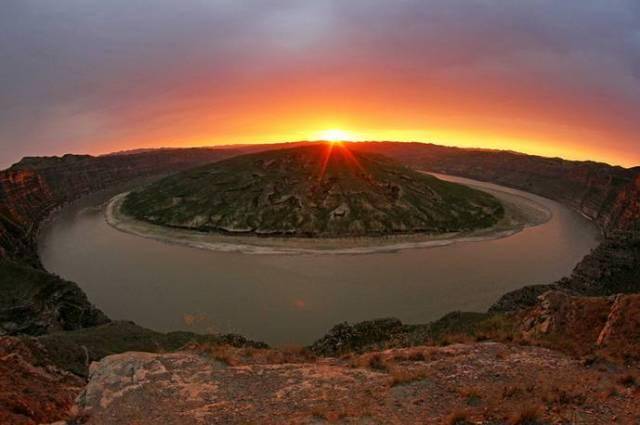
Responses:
[318,190]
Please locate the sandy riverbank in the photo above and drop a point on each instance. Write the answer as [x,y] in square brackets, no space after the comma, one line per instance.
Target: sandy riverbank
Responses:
[521,211]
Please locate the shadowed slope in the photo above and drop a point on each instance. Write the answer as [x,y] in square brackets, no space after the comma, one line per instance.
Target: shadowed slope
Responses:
[317,190]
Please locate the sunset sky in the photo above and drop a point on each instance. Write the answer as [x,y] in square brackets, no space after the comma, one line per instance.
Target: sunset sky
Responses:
[557,78]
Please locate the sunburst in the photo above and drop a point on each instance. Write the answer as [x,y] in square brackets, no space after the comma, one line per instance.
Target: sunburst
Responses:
[334,135]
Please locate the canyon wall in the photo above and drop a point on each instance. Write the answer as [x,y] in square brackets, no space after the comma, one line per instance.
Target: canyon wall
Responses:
[607,194]
[31,189]
[33,301]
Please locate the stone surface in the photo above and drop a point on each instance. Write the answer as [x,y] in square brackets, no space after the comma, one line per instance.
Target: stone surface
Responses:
[490,383]
[579,318]
[585,325]
[344,337]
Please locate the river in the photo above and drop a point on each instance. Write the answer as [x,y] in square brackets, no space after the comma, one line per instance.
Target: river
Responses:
[294,299]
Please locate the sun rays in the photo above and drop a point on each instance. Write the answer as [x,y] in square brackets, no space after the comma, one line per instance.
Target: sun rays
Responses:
[335,135]
[335,147]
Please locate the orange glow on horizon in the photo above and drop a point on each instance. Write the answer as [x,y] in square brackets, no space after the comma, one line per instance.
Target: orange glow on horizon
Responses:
[532,146]
[371,110]
[549,148]
[289,73]
[307,112]
[284,124]
[334,135]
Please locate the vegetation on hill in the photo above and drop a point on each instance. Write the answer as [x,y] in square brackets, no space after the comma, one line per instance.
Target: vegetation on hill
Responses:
[316,190]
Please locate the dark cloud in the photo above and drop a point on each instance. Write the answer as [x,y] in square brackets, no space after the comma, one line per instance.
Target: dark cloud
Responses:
[81,76]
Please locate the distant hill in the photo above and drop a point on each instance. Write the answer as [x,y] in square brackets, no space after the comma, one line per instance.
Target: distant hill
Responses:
[313,190]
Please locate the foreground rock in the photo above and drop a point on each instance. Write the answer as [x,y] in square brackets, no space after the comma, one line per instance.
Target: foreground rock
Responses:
[40,377]
[483,383]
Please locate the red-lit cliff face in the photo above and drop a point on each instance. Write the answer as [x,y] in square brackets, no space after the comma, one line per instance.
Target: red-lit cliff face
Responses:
[26,196]
[624,214]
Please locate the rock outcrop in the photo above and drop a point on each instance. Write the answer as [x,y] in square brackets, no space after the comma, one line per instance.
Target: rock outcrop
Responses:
[556,312]
[344,338]
[40,377]
[34,302]
[623,323]
[625,210]
[481,382]
[584,325]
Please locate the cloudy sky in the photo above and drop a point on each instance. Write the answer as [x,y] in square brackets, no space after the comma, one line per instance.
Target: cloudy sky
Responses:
[546,77]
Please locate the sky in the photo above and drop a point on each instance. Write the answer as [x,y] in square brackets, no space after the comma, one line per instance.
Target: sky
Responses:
[555,78]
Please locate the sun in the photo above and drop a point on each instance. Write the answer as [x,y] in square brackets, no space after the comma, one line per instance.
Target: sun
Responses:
[334,135]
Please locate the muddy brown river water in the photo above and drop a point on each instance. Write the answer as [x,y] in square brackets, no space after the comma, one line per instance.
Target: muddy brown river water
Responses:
[294,299]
